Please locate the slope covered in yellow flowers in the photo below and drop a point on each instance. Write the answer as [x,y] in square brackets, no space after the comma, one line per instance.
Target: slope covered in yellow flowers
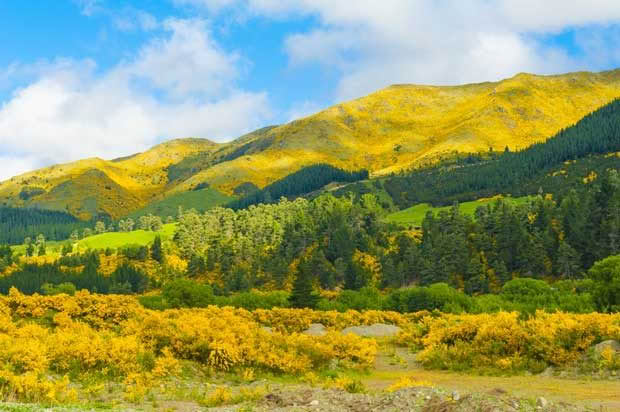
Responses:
[387,131]
[405,125]
[86,187]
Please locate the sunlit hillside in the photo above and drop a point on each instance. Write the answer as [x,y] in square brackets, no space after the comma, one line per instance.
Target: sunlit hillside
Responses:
[387,131]
[404,125]
[90,186]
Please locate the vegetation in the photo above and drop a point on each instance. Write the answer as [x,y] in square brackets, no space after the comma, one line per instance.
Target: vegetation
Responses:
[48,278]
[339,242]
[120,239]
[305,180]
[519,173]
[18,224]
[375,133]
[199,200]
[414,215]
[506,344]
[60,348]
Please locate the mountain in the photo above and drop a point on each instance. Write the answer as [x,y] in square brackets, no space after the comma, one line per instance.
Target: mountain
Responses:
[388,131]
[89,187]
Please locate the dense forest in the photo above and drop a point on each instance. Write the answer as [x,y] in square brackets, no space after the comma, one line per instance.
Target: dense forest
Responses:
[46,278]
[18,224]
[519,173]
[340,242]
[305,180]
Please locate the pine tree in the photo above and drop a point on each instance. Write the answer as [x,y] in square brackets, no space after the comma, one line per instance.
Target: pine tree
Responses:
[156,250]
[303,295]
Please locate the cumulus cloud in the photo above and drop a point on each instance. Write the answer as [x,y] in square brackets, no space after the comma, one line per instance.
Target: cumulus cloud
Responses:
[377,43]
[180,84]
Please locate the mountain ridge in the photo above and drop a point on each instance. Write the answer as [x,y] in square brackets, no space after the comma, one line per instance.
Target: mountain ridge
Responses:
[392,129]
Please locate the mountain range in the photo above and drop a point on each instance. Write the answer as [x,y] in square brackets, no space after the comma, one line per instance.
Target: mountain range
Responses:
[393,129]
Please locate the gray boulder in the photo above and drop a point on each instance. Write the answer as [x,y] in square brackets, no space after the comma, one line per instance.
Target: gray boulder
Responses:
[613,344]
[315,329]
[378,330]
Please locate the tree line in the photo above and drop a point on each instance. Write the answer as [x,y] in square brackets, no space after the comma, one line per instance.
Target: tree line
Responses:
[519,173]
[16,224]
[305,180]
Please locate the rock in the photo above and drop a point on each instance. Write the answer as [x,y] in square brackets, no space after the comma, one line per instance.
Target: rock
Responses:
[456,396]
[377,330]
[542,402]
[613,344]
[267,329]
[547,372]
[315,329]
[314,403]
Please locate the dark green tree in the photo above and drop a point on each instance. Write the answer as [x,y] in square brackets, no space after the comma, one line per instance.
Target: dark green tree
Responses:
[156,250]
[303,295]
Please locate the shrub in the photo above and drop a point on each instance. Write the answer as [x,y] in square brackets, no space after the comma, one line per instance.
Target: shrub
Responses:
[439,296]
[606,289]
[367,298]
[255,300]
[66,287]
[183,293]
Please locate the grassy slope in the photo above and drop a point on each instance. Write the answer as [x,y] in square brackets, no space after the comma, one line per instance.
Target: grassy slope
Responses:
[119,239]
[387,131]
[91,186]
[415,214]
[200,200]
[106,240]
[406,125]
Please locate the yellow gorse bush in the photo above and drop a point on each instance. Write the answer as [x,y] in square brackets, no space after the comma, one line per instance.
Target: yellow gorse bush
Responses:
[505,342]
[46,336]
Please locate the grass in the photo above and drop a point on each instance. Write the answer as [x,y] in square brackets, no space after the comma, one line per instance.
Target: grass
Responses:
[200,200]
[119,239]
[414,215]
[108,240]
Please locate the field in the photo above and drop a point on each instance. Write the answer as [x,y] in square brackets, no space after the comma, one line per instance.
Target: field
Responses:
[120,239]
[200,200]
[414,215]
[108,240]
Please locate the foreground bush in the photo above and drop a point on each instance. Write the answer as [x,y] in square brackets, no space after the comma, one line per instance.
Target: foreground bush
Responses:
[48,341]
[504,342]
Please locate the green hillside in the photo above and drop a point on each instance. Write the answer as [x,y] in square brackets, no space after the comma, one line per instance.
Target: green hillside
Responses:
[120,239]
[414,215]
[200,200]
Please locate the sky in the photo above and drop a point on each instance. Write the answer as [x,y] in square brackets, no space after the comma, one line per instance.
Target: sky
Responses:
[107,78]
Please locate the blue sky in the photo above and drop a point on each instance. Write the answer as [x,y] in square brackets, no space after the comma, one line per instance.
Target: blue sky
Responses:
[81,78]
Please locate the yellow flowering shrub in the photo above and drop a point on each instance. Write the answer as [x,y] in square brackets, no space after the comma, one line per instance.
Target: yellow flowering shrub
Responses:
[504,342]
[408,382]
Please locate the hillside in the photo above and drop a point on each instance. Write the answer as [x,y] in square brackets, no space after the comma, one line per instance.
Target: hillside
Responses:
[407,125]
[89,187]
[390,130]
[571,158]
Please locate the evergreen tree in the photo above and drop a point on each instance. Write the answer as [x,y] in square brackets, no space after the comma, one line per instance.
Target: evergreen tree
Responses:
[303,295]
[156,250]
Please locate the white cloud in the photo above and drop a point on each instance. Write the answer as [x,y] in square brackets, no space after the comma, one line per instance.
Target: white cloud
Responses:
[131,19]
[377,43]
[177,85]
